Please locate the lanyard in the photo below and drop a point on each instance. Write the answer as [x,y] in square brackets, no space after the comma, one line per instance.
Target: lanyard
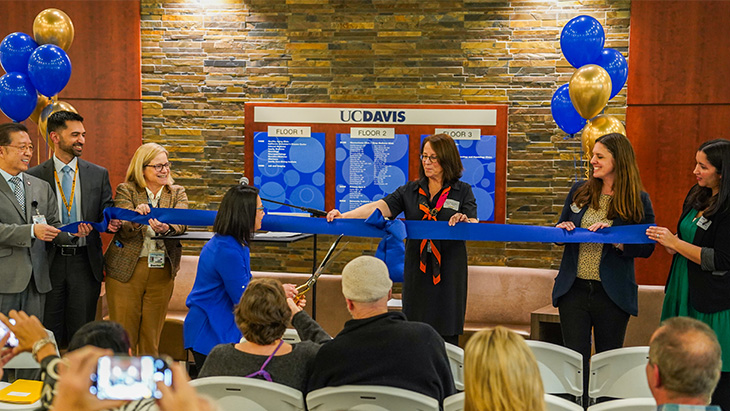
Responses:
[70,202]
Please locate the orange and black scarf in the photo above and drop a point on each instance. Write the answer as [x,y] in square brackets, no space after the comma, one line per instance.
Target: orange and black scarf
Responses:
[430,214]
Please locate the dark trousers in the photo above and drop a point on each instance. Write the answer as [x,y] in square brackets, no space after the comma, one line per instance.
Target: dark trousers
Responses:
[199,360]
[587,307]
[721,397]
[72,301]
[28,300]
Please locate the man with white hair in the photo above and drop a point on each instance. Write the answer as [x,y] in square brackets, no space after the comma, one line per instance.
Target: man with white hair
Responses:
[378,347]
[684,365]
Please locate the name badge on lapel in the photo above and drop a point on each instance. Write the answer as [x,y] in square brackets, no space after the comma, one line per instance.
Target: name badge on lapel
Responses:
[574,208]
[703,223]
[452,204]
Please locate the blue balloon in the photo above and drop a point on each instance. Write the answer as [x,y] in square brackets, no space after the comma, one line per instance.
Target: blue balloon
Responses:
[18,97]
[49,69]
[617,68]
[564,113]
[582,40]
[15,50]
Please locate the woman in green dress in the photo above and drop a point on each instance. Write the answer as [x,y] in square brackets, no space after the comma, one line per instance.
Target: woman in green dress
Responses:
[699,280]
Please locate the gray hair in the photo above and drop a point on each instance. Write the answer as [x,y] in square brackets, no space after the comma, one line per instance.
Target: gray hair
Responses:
[689,357]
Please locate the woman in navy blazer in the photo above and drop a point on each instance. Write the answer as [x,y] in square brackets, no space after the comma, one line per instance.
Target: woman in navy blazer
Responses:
[595,289]
[224,271]
[698,285]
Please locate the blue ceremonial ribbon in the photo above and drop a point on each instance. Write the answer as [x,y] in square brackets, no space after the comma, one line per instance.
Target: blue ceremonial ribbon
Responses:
[392,232]
[435,230]
[391,248]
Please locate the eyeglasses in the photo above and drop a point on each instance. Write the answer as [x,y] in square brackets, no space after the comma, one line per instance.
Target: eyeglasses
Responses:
[160,167]
[23,148]
[431,159]
[261,209]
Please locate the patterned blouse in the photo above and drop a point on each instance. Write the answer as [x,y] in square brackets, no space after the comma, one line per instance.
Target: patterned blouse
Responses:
[589,256]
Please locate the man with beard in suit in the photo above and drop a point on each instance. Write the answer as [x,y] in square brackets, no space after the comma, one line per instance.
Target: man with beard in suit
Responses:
[82,192]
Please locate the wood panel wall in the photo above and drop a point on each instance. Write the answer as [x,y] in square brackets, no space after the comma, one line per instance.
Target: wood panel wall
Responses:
[678,97]
[105,85]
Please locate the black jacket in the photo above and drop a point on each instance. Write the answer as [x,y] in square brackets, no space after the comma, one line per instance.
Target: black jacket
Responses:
[385,350]
[617,267]
[709,283]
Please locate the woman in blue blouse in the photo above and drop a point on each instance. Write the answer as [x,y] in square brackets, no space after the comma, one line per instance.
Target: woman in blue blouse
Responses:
[224,271]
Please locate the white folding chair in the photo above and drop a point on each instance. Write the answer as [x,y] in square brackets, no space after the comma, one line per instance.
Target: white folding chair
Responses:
[627,404]
[561,368]
[553,403]
[369,398]
[620,373]
[454,402]
[456,361]
[250,394]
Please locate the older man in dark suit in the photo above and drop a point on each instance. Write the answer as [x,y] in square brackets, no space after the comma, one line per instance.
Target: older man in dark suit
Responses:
[28,214]
[82,192]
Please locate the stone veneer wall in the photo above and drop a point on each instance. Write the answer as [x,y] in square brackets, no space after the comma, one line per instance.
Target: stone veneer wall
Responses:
[203,59]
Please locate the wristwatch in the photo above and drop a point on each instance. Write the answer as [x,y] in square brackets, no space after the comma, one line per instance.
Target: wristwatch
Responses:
[38,345]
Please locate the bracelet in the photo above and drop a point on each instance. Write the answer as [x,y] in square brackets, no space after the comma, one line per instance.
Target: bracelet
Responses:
[38,345]
[169,231]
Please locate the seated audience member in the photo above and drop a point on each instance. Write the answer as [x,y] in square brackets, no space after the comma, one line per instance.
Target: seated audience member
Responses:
[684,365]
[378,347]
[501,373]
[262,316]
[90,342]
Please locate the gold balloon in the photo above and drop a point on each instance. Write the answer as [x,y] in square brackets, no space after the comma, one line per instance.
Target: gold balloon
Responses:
[589,89]
[53,26]
[597,127]
[46,112]
[43,101]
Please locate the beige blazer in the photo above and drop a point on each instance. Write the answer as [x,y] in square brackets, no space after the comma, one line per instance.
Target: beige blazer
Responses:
[122,254]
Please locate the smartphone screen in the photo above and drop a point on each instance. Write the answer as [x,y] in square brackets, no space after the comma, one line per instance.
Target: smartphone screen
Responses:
[13,340]
[129,378]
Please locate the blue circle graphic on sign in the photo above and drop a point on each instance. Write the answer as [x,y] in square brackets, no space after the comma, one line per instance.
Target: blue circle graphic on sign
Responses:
[291,178]
[473,171]
[273,191]
[318,179]
[465,143]
[487,147]
[486,183]
[308,196]
[266,169]
[485,202]
[397,149]
[365,167]
[307,155]
[391,179]
[340,153]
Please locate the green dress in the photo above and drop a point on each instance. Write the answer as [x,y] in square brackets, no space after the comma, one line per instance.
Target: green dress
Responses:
[676,301]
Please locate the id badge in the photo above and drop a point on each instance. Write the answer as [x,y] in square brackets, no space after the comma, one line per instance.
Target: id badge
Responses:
[156,259]
[39,219]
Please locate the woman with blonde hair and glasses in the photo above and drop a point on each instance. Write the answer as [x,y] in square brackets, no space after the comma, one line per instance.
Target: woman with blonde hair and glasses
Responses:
[140,269]
[501,373]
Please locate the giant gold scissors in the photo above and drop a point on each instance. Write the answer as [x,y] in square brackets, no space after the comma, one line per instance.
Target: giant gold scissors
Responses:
[326,262]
